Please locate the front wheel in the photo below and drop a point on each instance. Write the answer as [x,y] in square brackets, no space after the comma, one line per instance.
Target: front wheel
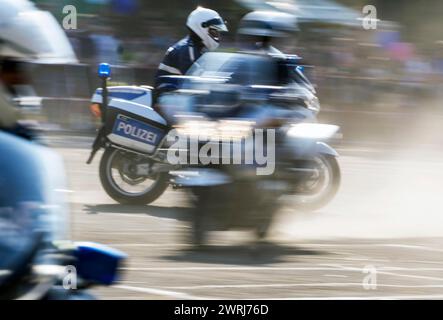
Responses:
[317,191]
[119,178]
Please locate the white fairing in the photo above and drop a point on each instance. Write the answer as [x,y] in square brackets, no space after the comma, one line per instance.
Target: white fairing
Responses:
[132,101]
[139,95]
[137,109]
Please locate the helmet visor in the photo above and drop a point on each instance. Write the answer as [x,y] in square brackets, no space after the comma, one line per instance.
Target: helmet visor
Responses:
[214,33]
[216,23]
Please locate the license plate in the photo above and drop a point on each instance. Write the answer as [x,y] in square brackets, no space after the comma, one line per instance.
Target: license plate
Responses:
[137,133]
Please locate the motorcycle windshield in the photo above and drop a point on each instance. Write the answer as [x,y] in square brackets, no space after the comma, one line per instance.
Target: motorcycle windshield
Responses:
[248,69]
[250,78]
[236,68]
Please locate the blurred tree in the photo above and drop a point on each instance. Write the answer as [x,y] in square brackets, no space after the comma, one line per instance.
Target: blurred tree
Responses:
[172,14]
[421,20]
[142,18]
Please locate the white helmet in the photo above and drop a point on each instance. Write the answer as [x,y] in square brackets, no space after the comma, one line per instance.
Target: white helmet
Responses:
[267,24]
[207,24]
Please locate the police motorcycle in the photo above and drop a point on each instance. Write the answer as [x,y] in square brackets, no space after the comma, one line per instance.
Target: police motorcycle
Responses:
[227,108]
[132,170]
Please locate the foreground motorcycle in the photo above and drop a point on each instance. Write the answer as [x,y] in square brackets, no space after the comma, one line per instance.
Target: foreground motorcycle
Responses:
[134,167]
[36,262]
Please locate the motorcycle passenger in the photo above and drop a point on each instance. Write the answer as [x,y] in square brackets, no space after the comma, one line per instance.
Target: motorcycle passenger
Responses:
[204,27]
[257,31]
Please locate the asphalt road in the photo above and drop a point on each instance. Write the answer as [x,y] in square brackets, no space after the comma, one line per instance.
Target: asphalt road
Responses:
[380,238]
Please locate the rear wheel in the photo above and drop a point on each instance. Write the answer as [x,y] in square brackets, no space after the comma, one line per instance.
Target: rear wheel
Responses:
[119,178]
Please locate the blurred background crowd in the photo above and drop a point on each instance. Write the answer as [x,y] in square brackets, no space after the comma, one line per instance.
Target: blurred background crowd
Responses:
[397,67]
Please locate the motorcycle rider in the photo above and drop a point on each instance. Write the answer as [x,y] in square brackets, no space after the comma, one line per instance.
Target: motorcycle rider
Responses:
[204,27]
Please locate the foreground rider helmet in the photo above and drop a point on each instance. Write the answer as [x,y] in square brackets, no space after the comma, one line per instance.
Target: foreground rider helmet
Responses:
[207,24]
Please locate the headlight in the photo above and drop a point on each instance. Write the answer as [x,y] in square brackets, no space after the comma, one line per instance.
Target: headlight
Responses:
[196,128]
[224,130]
[313,131]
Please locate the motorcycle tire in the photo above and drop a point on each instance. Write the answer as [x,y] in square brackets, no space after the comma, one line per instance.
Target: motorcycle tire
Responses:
[333,187]
[157,189]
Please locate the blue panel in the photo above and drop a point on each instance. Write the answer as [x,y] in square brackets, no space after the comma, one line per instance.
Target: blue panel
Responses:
[137,130]
[98,263]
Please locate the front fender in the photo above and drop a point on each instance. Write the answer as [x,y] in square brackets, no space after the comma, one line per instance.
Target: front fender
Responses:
[306,148]
[326,149]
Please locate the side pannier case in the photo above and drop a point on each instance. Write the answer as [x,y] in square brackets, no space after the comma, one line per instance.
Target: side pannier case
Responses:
[130,120]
